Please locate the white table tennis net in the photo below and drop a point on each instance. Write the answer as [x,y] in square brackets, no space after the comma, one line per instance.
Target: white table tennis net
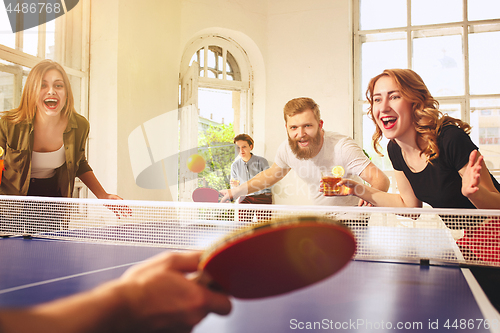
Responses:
[438,235]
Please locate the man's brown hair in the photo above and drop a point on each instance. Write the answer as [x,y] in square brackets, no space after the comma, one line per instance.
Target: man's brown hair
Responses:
[244,137]
[299,105]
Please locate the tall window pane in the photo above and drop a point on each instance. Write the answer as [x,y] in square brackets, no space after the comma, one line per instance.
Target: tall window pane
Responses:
[485,122]
[438,60]
[382,14]
[452,110]
[216,105]
[483,9]
[484,55]
[30,41]
[6,91]
[378,56]
[432,11]
[76,87]
[50,39]
[7,38]
[215,130]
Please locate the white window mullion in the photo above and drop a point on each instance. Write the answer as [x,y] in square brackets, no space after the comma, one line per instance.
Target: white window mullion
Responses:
[409,35]
[18,87]
[41,40]
[205,61]
[224,62]
[17,72]
[60,40]
[85,58]
[466,108]
[357,100]
[19,40]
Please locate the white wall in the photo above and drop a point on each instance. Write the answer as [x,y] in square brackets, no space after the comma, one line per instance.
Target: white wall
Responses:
[103,100]
[309,44]
[244,22]
[134,77]
[296,47]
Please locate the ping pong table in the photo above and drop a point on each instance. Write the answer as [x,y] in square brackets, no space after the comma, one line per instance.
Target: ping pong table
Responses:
[369,295]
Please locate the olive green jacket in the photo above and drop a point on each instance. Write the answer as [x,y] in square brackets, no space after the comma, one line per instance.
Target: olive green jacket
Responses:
[17,141]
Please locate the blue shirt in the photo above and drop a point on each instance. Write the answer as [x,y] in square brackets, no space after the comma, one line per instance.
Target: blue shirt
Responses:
[244,171]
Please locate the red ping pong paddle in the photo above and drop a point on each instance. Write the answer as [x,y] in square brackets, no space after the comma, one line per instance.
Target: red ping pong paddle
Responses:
[205,194]
[277,256]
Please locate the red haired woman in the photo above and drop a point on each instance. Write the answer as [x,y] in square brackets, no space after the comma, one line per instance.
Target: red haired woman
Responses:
[434,159]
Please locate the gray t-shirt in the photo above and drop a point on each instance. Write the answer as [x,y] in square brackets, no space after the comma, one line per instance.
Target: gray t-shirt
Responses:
[337,149]
[244,171]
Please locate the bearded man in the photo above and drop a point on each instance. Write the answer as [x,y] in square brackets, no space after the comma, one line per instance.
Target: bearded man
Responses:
[312,152]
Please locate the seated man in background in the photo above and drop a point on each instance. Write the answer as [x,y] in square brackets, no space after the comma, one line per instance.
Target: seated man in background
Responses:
[312,153]
[246,166]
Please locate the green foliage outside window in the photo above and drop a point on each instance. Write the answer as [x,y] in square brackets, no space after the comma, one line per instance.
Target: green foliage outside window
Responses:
[217,148]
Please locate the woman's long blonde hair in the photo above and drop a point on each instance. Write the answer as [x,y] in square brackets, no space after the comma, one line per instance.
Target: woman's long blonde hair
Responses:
[31,93]
[427,118]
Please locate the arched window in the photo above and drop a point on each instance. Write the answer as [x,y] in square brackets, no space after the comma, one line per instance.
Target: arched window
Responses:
[220,63]
[214,103]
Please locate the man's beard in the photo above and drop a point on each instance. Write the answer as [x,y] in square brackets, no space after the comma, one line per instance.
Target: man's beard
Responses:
[307,152]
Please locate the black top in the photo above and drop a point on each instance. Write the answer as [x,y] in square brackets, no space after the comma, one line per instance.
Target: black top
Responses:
[440,184]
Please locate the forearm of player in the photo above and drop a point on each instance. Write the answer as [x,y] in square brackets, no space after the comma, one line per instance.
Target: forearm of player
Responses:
[383,183]
[104,311]
[90,180]
[253,185]
[375,196]
[262,180]
[376,178]
[477,184]
[405,198]
[485,198]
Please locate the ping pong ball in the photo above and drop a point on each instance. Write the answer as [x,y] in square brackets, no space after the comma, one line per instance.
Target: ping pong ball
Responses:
[196,163]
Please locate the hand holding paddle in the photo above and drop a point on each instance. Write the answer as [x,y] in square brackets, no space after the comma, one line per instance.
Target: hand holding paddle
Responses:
[277,257]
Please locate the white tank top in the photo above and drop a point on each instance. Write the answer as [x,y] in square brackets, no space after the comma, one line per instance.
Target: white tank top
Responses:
[44,165]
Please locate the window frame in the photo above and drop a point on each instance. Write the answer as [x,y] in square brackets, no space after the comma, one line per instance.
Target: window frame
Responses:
[64,27]
[244,85]
[467,27]
[188,85]
[73,57]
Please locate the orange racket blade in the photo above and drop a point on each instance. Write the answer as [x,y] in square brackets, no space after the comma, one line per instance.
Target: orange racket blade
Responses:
[278,256]
[205,194]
